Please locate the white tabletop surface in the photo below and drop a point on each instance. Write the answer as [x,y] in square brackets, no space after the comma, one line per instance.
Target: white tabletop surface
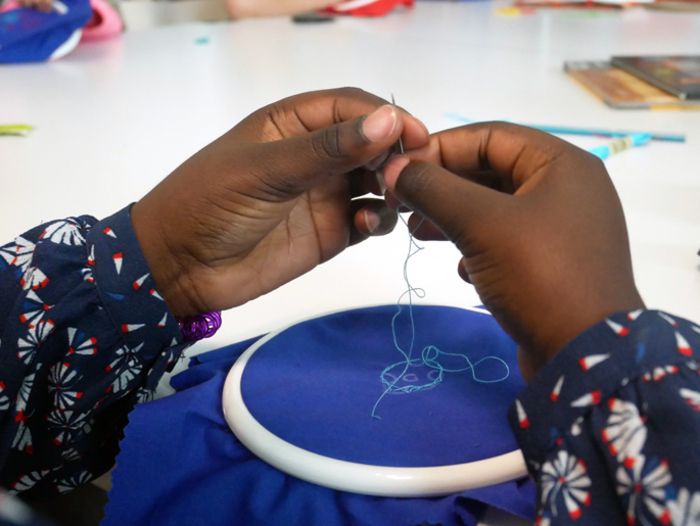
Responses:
[114,118]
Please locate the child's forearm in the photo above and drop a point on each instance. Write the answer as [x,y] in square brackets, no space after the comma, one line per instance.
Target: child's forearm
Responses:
[252,8]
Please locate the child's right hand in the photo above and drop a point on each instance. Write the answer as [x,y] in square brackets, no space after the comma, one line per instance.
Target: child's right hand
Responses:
[539,225]
[45,6]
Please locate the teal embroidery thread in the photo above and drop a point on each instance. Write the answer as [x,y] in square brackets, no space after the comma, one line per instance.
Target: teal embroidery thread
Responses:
[430,356]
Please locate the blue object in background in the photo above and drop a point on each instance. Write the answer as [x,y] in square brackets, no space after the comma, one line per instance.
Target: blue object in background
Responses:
[27,35]
[180,464]
[620,145]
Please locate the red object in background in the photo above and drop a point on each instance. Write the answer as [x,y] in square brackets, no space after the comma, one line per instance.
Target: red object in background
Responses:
[368,7]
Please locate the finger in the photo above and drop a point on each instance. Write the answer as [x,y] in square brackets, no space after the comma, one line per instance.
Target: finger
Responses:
[371,217]
[394,202]
[294,165]
[424,229]
[462,270]
[455,205]
[316,110]
[431,153]
[505,151]
[320,109]
[363,182]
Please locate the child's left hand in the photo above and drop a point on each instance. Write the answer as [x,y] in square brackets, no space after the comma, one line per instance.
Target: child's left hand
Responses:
[271,199]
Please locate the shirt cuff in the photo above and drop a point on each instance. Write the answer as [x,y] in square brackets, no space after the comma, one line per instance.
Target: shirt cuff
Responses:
[625,347]
[128,292]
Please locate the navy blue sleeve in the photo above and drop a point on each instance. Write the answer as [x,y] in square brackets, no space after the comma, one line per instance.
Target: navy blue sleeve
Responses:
[84,336]
[610,427]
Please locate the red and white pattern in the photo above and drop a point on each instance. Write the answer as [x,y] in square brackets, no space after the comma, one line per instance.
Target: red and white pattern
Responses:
[644,488]
[64,232]
[659,373]
[80,344]
[633,315]
[588,399]
[35,335]
[588,362]
[139,282]
[35,309]
[4,399]
[71,483]
[55,380]
[61,379]
[673,323]
[636,396]
[619,329]
[33,279]
[28,481]
[554,395]
[625,432]
[564,480]
[691,397]
[23,437]
[66,426]
[523,420]
[682,345]
[125,367]
[685,508]
[18,254]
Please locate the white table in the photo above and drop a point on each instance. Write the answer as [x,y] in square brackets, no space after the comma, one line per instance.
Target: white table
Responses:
[114,118]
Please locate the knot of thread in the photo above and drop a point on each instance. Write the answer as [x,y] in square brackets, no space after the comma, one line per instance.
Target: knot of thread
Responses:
[430,355]
[200,326]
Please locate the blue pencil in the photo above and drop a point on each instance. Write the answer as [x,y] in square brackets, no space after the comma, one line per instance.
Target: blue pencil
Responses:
[564,130]
[620,145]
[569,130]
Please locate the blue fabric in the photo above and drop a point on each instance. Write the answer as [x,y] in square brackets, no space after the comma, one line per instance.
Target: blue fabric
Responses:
[27,35]
[181,464]
[315,384]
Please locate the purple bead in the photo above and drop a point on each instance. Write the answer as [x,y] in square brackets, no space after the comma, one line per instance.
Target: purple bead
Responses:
[201,326]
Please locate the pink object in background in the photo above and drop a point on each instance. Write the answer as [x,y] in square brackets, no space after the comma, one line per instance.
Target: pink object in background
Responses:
[105,22]
[8,6]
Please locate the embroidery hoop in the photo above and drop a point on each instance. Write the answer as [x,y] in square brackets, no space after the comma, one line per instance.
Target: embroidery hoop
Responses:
[366,479]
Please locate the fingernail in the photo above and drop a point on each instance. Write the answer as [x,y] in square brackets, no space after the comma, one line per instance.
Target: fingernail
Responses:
[372,221]
[380,182]
[381,221]
[393,169]
[380,123]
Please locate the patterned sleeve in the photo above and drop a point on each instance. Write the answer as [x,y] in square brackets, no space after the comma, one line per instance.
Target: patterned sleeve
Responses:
[83,335]
[610,427]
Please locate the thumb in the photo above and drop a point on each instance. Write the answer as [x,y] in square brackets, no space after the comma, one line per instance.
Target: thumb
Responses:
[455,205]
[298,163]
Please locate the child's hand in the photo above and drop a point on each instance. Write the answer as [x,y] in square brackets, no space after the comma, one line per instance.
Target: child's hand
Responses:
[271,199]
[539,225]
[45,6]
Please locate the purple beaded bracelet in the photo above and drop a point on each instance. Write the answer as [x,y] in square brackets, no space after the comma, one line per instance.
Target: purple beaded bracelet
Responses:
[200,326]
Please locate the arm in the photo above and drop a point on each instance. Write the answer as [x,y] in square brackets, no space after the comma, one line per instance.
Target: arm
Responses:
[609,423]
[259,8]
[84,335]
[87,308]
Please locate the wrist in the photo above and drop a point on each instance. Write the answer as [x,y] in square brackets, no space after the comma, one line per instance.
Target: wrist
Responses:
[556,336]
[168,272]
